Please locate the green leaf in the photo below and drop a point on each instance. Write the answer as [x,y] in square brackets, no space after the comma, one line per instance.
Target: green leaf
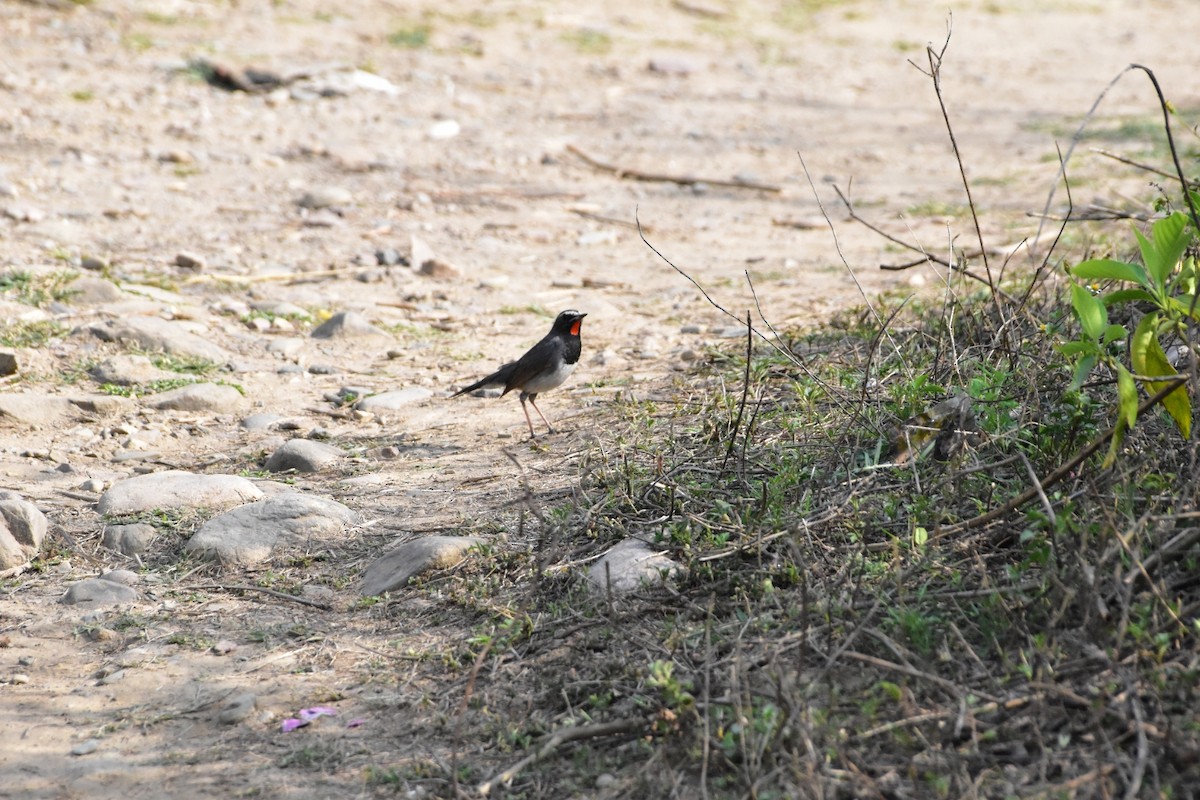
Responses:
[1105,269]
[1127,296]
[1182,305]
[1127,396]
[1075,348]
[1114,332]
[1091,312]
[1147,357]
[1169,237]
[1083,368]
[1115,444]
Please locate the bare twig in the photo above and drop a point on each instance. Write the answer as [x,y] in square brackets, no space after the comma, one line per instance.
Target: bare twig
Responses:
[1057,475]
[737,423]
[935,74]
[682,180]
[233,587]
[558,738]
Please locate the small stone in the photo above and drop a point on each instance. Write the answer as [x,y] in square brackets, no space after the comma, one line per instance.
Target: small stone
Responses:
[124,577]
[129,540]
[189,260]
[303,455]
[252,533]
[263,421]
[18,677]
[389,256]
[444,129]
[84,748]
[440,270]
[176,490]
[325,197]
[111,678]
[8,363]
[224,647]
[94,263]
[671,66]
[691,329]
[237,708]
[23,212]
[393,401]
[214,397]
[92,485]
[346,324]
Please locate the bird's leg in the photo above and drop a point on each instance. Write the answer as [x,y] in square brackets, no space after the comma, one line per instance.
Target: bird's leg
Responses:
[540,414]
[529,421]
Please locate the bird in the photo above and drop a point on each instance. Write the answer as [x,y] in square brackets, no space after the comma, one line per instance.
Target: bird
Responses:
[544,366]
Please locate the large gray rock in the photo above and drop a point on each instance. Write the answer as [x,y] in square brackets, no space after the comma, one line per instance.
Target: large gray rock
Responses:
[174,490]
[35,409]
[395,568]
[154,333]
[303,455]
[214,397]
[630,565]
[393,401]
[98,592]
[250,534]
[22,528]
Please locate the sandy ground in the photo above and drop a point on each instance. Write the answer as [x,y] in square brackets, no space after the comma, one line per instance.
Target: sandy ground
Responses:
[110,148]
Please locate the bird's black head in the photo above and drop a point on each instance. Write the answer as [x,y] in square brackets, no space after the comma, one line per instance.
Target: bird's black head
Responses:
[568,322]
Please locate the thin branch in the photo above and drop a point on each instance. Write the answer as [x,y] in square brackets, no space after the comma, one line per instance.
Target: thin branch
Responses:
[230,587]
[682,180]
[737,423]
[558,738]
[1057,475]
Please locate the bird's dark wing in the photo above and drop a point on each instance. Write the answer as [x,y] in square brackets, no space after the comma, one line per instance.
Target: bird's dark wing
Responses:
[544,356]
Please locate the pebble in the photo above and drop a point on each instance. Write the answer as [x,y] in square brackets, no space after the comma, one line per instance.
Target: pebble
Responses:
[214,397]
[389,256]
[444,129]
[189,260]
[224,647]
[393,401]
[303,455]
[129,540]
[86,747]
[345,325]
[237,708]
[691,329]
[8,364]
[325,197]
[628,566]
[23,212]
[18,677]
[22,529]
[111,678]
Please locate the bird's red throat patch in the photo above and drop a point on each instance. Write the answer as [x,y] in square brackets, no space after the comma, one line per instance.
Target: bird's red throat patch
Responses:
[575,327]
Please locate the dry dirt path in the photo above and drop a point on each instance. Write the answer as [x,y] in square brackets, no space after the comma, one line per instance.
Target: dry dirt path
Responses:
[114,151]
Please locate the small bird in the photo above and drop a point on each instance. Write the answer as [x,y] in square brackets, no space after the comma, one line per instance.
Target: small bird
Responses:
[544,367]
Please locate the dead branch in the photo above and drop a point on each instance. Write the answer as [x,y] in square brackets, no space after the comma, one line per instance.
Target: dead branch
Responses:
[682,180]
[1057,475]
[230,587]
[558,738]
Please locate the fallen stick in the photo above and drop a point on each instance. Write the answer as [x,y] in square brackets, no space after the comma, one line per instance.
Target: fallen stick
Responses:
[560,737]
[682,180]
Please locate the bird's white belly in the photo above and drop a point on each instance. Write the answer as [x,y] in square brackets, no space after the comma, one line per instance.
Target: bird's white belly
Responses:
[548,380]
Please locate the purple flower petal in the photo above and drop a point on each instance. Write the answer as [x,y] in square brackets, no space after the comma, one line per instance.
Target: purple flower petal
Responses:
[290,724]
[309,714]
[354,723]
